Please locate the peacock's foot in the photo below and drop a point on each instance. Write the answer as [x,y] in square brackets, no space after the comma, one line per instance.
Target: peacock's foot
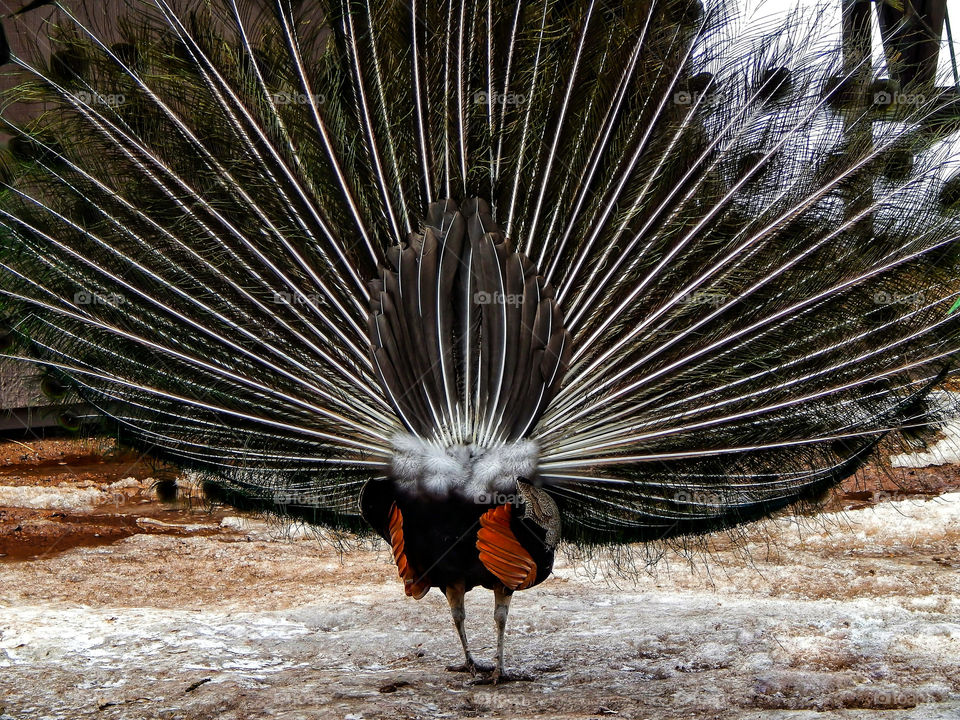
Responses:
[499,677]
[471,666]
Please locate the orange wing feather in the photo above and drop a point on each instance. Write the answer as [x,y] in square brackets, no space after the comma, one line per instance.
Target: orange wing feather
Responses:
[412,586]
[500,551]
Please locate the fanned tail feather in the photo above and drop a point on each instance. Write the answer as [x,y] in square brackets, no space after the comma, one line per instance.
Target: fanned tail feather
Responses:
[703,267]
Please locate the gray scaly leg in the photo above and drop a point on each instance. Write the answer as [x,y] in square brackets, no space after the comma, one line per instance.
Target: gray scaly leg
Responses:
[501,597]
[455,595]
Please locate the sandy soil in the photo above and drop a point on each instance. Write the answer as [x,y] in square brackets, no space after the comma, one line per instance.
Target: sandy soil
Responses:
[116,605]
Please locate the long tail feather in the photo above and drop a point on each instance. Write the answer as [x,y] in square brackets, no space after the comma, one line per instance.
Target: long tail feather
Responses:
[703,266]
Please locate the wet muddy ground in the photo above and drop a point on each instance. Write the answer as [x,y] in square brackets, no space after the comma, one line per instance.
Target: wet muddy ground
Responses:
[116,604]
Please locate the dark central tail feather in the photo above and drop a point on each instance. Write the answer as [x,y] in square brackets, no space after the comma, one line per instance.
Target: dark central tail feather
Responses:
[466,337]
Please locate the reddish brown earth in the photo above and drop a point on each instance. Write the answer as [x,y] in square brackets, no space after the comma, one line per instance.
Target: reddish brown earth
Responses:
[87,464]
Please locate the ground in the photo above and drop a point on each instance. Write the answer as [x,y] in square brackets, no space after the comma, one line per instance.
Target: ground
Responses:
[114,605]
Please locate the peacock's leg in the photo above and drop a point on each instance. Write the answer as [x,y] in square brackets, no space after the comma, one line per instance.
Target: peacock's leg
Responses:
[455,595]
[501,597]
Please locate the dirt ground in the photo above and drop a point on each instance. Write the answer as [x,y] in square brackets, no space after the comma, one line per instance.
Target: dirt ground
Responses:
[115,604]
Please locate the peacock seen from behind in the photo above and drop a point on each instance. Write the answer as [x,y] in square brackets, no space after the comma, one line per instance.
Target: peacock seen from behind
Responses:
[487,277]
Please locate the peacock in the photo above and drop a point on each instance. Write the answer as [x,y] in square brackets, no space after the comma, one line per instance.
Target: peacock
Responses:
[488,278]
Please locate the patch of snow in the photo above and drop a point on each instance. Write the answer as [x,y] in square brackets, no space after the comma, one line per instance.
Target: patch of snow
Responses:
[129,482]
[232,522]
[47,498]
[296,530]
[105,638]
[152,522]
[946,451]
[898,520]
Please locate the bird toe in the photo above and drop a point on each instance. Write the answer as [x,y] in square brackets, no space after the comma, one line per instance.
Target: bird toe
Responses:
[473,667]
[500,677]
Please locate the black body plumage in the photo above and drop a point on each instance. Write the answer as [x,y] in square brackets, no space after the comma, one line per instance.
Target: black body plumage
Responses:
[442,545]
